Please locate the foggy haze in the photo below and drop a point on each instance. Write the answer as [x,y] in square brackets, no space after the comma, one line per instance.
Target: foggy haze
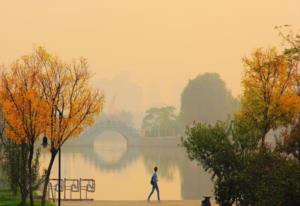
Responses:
[142,53]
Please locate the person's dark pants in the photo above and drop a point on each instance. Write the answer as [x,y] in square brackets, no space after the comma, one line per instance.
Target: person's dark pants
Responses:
[154,187]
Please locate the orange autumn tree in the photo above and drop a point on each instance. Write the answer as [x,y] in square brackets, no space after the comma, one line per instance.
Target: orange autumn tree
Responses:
[41,94]
[291,143]
[73,104]
[25,113]
[270,96]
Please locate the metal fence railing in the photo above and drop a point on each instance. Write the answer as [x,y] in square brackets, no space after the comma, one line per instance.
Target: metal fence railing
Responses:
[71,189]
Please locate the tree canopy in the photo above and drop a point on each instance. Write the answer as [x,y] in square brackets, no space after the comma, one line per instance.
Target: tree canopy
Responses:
[42,95]
[160,121]
[206,99]
[247,171]
[270,96]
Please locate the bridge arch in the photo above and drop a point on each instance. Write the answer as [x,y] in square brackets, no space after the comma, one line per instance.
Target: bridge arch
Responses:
[92,134]
[88,138]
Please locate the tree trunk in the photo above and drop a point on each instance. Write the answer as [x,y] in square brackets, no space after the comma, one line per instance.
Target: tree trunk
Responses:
[23,173]
[23,197]
[30,175]
[47,178]
[265,131]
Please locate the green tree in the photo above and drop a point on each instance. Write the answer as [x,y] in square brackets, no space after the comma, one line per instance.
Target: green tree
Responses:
[160,121]
[247,171]
[13,161]
[205,99]
[242,173]
[15,168]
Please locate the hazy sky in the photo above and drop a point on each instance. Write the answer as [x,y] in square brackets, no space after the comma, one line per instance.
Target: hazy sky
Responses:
[152,46]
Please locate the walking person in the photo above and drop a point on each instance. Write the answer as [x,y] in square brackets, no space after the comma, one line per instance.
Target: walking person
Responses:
[154,184]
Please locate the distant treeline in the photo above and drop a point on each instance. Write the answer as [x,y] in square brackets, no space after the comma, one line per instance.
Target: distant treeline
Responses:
[205,99]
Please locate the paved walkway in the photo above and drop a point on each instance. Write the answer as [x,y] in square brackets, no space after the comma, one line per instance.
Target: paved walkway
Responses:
[133,203]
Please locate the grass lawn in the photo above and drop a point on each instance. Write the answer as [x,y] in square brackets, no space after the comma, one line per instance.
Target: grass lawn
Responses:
[7,199]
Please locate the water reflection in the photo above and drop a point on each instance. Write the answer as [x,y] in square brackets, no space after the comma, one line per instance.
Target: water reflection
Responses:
[99,158]
[123,172]
[165,158]
[114,145]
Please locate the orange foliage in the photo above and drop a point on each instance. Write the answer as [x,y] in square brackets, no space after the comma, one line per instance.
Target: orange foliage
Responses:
[73,104]
[41,94]
[24,109]
[270,91]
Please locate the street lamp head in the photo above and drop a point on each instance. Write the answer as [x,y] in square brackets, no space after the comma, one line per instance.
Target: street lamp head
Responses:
[45,142]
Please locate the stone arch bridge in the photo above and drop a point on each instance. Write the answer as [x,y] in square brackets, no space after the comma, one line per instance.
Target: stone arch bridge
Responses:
[131,135]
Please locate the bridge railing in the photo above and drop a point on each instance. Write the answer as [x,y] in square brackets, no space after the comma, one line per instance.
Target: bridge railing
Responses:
[71,189]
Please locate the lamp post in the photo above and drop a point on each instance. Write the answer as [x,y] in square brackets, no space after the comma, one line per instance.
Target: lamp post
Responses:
[45,144]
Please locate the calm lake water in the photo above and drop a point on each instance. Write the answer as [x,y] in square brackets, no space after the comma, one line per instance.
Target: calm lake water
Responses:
[123,173]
